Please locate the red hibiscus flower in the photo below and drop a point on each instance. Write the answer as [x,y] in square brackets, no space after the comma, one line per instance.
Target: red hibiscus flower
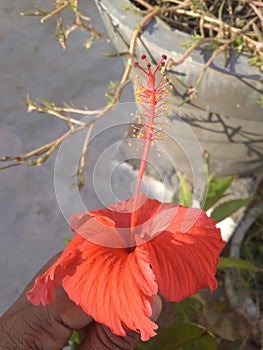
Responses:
[176,254]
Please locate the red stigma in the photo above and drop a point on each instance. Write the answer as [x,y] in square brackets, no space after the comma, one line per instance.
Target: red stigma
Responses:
[147,71]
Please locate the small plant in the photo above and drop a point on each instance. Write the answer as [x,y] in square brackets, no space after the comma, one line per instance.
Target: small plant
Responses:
[215,199]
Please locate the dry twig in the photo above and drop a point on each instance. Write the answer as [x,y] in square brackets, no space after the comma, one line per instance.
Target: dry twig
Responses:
[44,151]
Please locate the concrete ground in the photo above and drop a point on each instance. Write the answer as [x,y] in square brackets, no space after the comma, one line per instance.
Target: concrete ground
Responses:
[31,224]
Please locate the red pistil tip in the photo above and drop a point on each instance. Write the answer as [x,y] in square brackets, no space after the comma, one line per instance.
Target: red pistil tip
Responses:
[150,74]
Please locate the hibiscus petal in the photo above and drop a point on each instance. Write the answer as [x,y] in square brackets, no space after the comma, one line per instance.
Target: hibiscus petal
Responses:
[156,224]
[120,213]
[115,287]
[147,208]
[110,227]
[44,288]
[183,263]
[100,230]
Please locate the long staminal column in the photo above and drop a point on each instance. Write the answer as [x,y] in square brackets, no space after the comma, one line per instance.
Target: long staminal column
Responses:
[153,108]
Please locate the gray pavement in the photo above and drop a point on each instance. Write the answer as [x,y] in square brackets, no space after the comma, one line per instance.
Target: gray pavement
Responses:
[31,224]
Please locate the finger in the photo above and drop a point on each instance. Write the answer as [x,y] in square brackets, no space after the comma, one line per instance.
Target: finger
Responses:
[69,313]
[22,301]
[63,309]
[99,337]
[157,307]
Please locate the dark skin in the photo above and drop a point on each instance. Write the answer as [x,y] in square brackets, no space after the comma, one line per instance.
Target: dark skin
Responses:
[27,327]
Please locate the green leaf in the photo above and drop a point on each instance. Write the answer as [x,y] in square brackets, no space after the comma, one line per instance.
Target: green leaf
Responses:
[115,54]
[224,210]
[43,12]
[184,336]
[216,189]
[66,240]
[182,83]
[185,192]
[260,101]
[237,263]
[190,309]
[75,340]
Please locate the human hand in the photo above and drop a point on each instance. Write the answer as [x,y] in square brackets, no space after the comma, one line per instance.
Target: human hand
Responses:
[28,327]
